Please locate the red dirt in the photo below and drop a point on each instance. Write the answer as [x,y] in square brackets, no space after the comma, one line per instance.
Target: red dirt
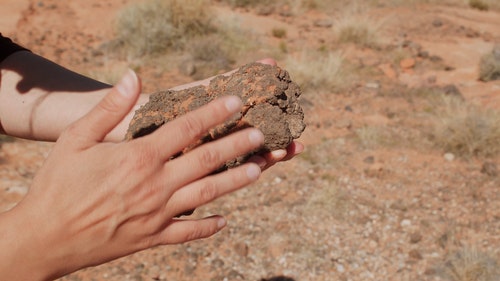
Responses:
[342,210]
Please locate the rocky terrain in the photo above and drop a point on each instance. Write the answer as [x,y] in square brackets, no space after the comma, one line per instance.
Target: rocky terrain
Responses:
[380,193]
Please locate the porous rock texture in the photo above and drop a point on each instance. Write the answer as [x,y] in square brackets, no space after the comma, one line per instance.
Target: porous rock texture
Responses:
[270,103]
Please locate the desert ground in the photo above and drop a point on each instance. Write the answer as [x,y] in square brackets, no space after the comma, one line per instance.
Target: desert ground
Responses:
[400,178]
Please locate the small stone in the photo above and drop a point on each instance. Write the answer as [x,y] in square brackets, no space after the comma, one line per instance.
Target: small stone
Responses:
[407,63]
[453,91]
[415,237]
[372,85]
[405,223]
[437,23]
[490,169]
[241,249]
[369,160]
[415,254]
[449,157]
[348,108]
[324,23]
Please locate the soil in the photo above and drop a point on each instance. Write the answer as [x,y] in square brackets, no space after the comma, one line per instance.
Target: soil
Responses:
[347,208]
[270,103]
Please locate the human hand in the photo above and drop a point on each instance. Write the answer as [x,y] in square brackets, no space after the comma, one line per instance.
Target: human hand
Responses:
[93,202]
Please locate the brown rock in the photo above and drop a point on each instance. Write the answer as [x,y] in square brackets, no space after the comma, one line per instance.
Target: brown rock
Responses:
[270,101]
[490,169]
[407,63]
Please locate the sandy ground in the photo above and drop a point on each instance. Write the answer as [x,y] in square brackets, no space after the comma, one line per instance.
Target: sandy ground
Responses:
[342,211]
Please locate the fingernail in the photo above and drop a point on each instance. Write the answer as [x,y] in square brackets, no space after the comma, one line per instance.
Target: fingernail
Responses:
[261,162]
[127,84]
[278,154]
[253,172]
[233,104]
[256,137]
[221,222]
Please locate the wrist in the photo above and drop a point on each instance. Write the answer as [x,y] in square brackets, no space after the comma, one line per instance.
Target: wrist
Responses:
[24,254]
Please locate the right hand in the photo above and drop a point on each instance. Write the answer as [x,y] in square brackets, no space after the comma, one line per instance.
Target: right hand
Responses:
[93,202]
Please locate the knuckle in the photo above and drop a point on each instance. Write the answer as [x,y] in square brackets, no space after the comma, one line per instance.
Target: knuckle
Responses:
[209,159]
[197,232]
[208,192]
[109,104]
[192,126]
[141,157]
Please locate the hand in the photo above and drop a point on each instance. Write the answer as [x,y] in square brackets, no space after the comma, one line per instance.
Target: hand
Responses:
[93,202]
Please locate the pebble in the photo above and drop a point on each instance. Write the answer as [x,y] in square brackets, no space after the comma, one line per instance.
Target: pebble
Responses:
[405,223]
[449,157]
[407,63]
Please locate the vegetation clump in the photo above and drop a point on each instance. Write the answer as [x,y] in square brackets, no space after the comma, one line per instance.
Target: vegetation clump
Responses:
[489,66]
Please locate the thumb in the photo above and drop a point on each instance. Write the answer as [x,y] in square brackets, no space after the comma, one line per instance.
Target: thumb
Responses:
[110,111]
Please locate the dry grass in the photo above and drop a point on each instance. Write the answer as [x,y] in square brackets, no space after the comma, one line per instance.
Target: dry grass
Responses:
[355,26]
[471,265]
[155,26]
[467,130]
[319,70]
[489,66]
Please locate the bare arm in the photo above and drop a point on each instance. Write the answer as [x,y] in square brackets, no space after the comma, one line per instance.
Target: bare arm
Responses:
[39,99]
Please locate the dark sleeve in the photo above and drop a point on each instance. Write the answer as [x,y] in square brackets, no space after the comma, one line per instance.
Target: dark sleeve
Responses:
[7,47]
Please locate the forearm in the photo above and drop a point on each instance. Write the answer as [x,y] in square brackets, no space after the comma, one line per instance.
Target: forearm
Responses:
[39,99]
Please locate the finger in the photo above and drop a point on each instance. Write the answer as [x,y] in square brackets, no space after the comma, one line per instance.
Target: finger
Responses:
[108,113]
[279,155]
[187,129]
[211,156]
[180,231]
[210,188]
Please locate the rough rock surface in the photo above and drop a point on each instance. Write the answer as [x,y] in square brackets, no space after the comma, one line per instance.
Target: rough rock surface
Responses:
[270,101]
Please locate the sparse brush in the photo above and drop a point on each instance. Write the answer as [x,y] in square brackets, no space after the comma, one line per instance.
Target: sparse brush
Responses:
[489,66]
[467,130]
[479,4]
[248,3]
[319,71]
[279,32]
[471,265]
[356,27]
[155,26]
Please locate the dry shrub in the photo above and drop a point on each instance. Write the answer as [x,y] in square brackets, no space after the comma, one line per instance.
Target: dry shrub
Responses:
[471,265]
[467,130]
[355,26]
[489,66]
[155,26]
[479,4]
[318,70]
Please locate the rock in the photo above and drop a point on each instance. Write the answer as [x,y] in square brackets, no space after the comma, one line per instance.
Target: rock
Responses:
[369,160]
[270,98]
[415,237]
[449,157]
[241,249]
[490,169]
[437,23]
[415,254]
[407,63]
[325,23]
[453,91]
